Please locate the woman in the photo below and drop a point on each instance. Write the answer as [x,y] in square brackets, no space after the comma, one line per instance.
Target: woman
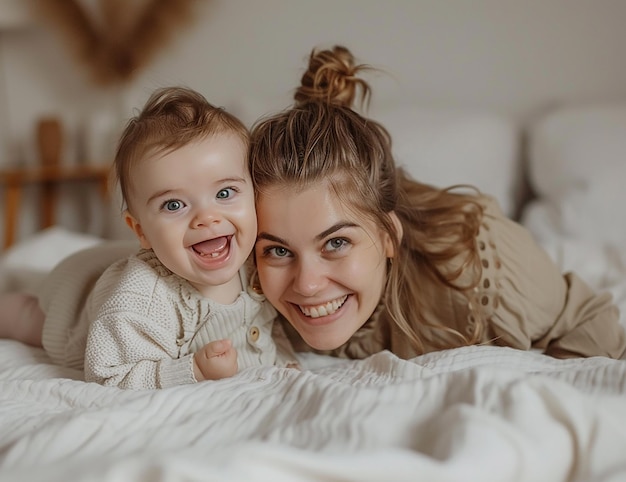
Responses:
[359,258]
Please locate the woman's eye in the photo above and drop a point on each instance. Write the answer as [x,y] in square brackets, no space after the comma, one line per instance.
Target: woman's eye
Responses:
[277,252]
[225,193]
[336,244]
[172,205]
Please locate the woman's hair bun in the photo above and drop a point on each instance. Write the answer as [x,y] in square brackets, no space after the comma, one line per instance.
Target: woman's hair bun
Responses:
[331,77]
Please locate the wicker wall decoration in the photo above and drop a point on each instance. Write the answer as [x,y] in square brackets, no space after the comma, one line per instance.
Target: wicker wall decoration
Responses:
[114,39]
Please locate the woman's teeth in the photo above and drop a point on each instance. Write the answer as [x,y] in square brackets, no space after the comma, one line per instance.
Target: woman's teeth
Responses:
[323,310]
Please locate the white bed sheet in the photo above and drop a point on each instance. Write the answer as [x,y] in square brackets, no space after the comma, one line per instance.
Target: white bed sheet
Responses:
[476,413]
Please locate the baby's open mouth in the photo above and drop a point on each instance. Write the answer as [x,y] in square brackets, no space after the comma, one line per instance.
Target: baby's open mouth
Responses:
[212,247]
[323,310]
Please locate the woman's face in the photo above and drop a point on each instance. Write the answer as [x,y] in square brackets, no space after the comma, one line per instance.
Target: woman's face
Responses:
[320,264]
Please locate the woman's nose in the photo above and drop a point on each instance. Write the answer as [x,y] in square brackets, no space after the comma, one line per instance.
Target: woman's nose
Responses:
[310,278]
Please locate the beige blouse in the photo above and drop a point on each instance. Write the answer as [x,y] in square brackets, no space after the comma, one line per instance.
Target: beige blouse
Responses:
[527,301]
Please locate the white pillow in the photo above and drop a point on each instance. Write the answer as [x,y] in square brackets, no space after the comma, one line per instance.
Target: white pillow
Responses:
[445,147]
[26,263]
[570,147]
[577,169]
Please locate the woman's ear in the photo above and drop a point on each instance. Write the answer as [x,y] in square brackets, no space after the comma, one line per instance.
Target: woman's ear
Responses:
[397,225]
[136,228]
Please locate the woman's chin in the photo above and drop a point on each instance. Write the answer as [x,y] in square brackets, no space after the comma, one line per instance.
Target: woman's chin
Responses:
[324,342]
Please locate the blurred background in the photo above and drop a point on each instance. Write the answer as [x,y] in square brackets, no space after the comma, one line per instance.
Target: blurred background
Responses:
[91,63]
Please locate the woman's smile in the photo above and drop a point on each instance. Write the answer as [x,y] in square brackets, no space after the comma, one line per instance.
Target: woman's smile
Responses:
[324,309]
[309,320]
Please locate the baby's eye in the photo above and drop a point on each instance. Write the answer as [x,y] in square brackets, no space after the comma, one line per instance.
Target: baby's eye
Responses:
[172,205]
[336,244]
[225,193]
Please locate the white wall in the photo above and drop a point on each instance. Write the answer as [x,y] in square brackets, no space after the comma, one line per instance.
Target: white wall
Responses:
[516,57]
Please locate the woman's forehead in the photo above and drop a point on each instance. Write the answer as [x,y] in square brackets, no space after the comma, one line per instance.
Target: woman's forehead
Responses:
[315,194]
[295,212]
[308,197]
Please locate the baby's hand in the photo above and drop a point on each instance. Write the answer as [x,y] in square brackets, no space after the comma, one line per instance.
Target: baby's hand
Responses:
[215,360]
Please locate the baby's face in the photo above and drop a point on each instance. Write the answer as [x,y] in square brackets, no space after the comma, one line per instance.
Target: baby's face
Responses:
[194,207]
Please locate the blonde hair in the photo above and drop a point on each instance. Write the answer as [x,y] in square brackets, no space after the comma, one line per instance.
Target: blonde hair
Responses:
[171,118]
[322,138]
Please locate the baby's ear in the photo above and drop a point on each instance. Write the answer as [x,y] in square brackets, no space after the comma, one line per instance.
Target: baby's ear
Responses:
[397,225]
[135,227]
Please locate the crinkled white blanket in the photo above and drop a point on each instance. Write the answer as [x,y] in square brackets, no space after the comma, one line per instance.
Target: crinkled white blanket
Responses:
[469,414]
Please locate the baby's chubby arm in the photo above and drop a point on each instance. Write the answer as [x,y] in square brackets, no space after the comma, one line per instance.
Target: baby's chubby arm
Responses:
[215,360]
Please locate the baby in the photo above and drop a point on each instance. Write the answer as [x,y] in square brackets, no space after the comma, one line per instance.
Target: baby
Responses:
[177,311]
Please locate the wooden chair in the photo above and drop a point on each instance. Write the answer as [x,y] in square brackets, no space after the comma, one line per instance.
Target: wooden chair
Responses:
[48,177]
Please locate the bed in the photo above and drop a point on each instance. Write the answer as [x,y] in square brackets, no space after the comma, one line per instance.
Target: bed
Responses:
[468,414]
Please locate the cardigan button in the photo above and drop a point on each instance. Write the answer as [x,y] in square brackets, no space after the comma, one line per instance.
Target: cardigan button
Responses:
[254,334]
